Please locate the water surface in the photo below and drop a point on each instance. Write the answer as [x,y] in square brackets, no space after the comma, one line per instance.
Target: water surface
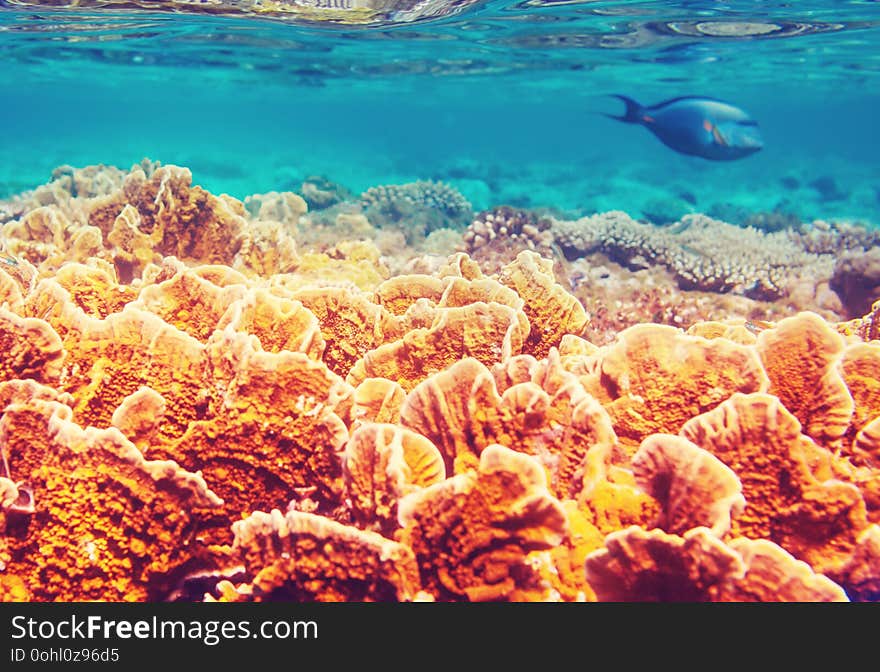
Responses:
[501,99]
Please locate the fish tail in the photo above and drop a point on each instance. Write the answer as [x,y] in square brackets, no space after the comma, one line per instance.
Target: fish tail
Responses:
[634,110]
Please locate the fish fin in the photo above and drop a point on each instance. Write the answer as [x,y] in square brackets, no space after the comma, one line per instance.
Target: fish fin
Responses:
[634,110]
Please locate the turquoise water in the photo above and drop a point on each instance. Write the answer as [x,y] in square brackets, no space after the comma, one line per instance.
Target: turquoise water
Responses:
[500,99]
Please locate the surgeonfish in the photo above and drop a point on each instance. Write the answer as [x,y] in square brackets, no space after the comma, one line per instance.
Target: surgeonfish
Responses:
[704,127]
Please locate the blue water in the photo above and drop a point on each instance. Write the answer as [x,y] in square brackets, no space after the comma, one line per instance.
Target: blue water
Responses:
[500,99]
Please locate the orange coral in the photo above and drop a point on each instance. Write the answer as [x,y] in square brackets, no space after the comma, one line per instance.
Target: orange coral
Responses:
[565,571]
[801,355]
[578,355]
[273,437]
[861,373]
[377,400]
[132,248]
[170,216]
[20,391]
[17,278]
[284,207]
[278,323]
[349,263]
[30,347]
[109,359]
[472,533]
[575,346]
[637,565]
[307,558]
[488,332]
[654,378]
[541,410]
[460,292]
[694,487]
[139,415]
[351,325]
[268,248]
[860,574]
[640,565]
[312,383]
[43,236]
[762,443]
[189,302]
[23,277]
[552,311]
[460,265]
[108,525]
[10,293]
[216,274]
[94,289]
[381,464]
[610,498]
[397,294]
[440,409]
[866,446]
[738,331]
[773,575]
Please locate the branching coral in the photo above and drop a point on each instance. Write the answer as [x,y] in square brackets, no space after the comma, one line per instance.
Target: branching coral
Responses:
[496,236]
[423,206]
[701,252]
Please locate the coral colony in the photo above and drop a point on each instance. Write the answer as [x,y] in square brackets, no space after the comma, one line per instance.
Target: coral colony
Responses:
[392,397]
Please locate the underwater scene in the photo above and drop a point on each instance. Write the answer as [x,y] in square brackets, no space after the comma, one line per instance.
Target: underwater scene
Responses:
[439,300]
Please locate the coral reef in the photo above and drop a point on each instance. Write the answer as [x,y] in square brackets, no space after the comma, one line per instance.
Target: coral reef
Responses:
[496,236]
[206,399]
[319,192]
[701,252]
[418,207]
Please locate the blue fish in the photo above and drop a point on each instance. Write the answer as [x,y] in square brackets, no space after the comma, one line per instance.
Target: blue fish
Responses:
[704,127]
